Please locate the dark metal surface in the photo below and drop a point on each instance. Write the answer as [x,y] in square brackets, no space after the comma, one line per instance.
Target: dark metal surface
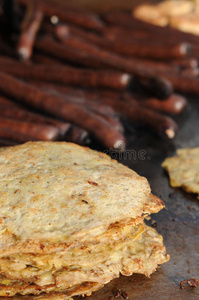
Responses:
[178,222]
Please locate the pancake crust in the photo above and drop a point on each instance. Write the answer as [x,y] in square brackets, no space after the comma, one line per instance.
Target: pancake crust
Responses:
[142,255]
[183,169]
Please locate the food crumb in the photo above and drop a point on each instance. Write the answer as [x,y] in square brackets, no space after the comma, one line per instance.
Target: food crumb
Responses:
[192,282]
[117,294]
[85,201]
[190,207]
[153,223]
[124,295]
[93,183]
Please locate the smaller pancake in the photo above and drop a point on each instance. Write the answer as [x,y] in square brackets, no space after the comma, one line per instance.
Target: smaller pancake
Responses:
[176,7]
[188,23]
[183,169]
[150,13]
[181,14]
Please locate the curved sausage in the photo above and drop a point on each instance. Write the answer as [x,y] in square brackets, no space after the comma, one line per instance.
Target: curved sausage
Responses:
[33,18]
[27,131]
[66,75]
[76,16]
[57,106]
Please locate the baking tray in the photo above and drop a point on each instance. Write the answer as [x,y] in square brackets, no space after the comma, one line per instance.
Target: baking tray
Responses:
[178,222]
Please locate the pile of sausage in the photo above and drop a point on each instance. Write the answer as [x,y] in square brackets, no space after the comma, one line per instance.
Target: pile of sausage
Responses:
[68,74]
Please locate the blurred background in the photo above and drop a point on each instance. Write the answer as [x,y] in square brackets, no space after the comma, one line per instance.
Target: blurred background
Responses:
[104,6]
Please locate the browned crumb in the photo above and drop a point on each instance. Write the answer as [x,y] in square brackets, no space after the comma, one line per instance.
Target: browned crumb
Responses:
[119,293]
[125,295]
[85,201]
[192,282]
[153,223]
[93,183]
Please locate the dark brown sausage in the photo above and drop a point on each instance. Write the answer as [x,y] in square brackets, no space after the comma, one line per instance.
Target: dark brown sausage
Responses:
[14,136]
[164,126]
[28,131]
[66,75]
[105,111]
[132,49]
[78,135]
[97,126]
[187,62]
[185,84]
[161,124]
[29,32]
[190,72]
[175,104]
[68,132]
[172,105]
[94,57]
[71,95]
[124,20]
[11,111]
[76,16]
[45,59]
